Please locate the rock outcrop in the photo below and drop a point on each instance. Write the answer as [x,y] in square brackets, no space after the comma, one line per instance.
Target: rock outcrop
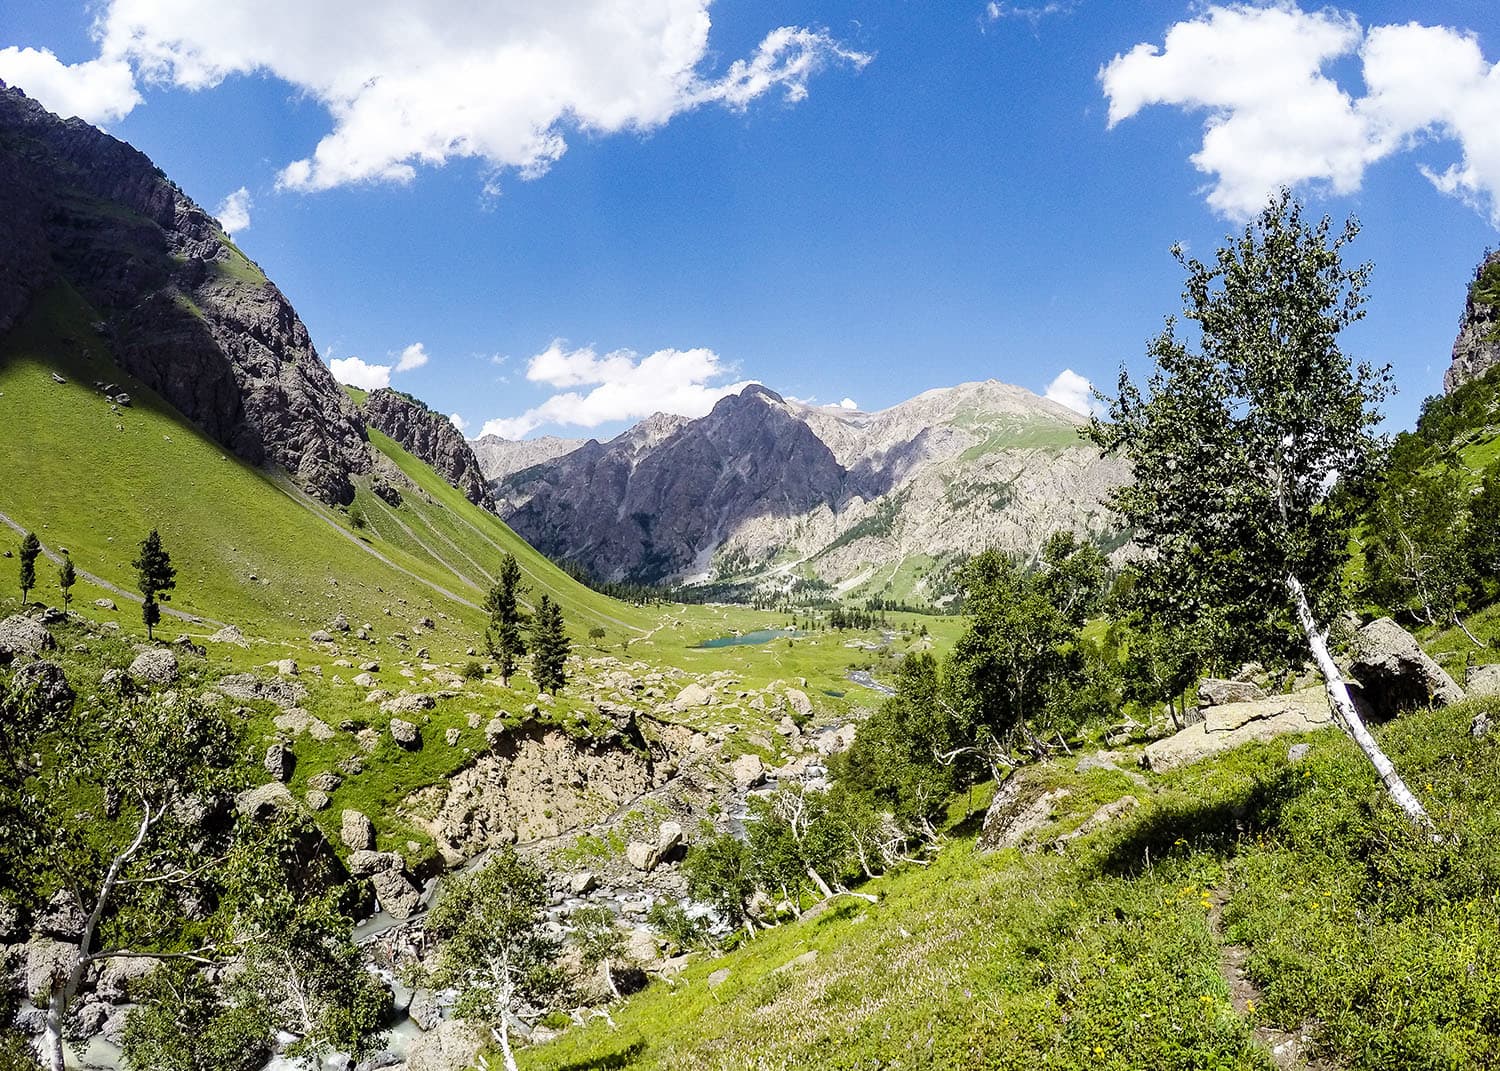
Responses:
[1477,348]
[430,436]
[1395,674]
[761,479]
[1232,724]
[182,308]
[500,457]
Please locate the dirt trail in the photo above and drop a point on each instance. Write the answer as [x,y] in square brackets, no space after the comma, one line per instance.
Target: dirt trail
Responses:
[1287,1048]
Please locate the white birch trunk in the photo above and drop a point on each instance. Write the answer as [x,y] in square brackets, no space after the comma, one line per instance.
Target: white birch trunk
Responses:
[1345,714]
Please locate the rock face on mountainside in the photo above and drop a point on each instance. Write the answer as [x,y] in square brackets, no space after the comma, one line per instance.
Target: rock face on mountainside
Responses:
[182,308]
[430,436]
[1477,348]
[500,457]
[872,503]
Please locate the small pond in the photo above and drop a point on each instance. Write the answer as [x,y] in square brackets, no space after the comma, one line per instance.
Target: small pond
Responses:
[751,639]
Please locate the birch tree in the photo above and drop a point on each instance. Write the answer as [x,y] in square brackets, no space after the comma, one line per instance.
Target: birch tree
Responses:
[1245,441]
[493,947]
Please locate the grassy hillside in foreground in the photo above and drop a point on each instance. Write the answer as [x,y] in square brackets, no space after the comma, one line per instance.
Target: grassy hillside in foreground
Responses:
[1247,899]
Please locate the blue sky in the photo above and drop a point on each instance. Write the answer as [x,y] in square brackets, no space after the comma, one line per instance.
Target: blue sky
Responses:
[888,197]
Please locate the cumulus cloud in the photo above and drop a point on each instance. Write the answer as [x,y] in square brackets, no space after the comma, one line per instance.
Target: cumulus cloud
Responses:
[408,85]
[1276,116]
[458,422]
[1074,391]
[848,403]
[626,386]
[414,356]
[356,373]
[234,212]
[99,91]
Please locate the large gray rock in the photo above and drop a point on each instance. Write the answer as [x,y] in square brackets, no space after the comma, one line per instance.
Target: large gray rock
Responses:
[247,687]
[47,961]
[1215,693]
[61,917]
[48,684]
[1482,680]
[260,804]
[452,1045]
[1229,726]
[279,762]
[155,668]
[396,894]
[1395,674]
[356,831]
[364,863]
[21,635]
[1021,807]
[405,734]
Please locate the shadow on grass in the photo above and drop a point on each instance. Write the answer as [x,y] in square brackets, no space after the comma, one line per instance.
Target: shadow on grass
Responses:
[610,1061]
[1183,824]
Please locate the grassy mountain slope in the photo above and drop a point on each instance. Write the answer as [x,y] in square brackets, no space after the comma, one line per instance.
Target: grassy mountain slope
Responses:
[1246,902]
[95,480]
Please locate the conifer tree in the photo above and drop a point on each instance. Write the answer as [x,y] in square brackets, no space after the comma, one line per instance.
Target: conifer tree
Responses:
[154,576]
[549,642]
[30,548]
[504,638]
[67,576]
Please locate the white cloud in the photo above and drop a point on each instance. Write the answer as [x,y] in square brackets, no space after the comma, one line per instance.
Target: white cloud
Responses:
[99,90]
[458,422]
[234,212]
[625,385]
[1033,13]
[356,373]
[1074,391]
[414,356]
[407,85]
[1277,117]
[848,403]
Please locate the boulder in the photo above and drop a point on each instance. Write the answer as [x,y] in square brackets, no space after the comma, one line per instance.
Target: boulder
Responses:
[279,762]
[694,695]
[48,684]
[581,883]
[47,960]
[425,1010]
[406,703]
[156,668]
[321,636]
[647,857]
[231,635]
[22,636]
[1229,726]
[1395,674]
[317,800]
[1019,809]
[116,975]
[453,1044]
[327,781]
[800,704]
[259,804]
[405,734]
[286,667]
[395,893]
[248,687]
[1482,680]
[1216,693]
[105,604]
[61,917]
[747,770]
[340,623]
[357,831]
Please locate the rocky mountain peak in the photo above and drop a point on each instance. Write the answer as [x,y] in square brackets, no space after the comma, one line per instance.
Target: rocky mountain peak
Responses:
[184,310]
[1477,348]
[430,436]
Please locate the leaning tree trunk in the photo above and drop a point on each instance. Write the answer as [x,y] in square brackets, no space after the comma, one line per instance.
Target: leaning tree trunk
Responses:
[1345,714]
[505,1050]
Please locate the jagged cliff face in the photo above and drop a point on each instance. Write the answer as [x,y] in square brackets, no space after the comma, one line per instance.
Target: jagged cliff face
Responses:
[184,310]
[430,436]
[500,457]
[871,503]
[1477,348]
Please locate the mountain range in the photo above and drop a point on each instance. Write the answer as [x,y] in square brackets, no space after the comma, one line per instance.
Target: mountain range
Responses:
[769,491]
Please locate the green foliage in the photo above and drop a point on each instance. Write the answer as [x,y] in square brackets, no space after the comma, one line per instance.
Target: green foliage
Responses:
[549,647]
[502,603]
[596,935]
[1414,560]
[676,925]
[183,1023]
[67,576]
[30,548]
[155,576]
[1234,442]
[718,871]
[492,944]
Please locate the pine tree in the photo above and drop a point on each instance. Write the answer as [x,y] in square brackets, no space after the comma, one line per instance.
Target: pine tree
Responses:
[66,577]
[154,576]
[549,644]
[30,548]
[504,637]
